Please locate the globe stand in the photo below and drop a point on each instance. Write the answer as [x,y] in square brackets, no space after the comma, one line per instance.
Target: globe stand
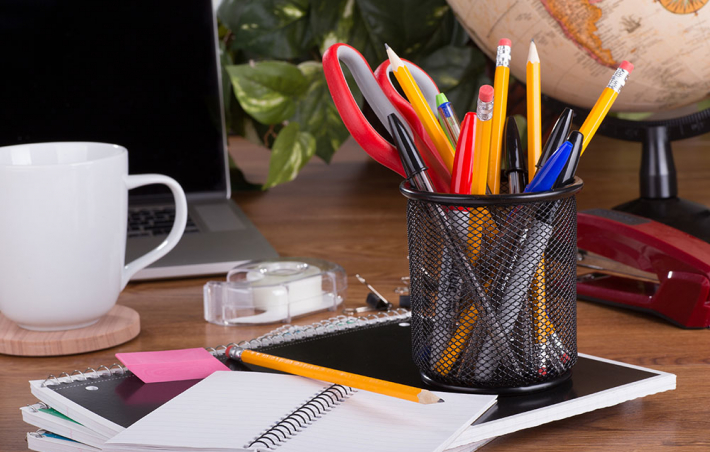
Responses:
[659,199]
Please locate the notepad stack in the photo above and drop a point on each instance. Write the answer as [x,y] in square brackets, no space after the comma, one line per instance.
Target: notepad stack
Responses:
[111,409]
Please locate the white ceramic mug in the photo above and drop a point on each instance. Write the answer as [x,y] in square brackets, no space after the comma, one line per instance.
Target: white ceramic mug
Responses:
[63,217]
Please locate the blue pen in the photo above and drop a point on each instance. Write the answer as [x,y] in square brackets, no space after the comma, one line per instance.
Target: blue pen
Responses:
[447,117]
[545,179]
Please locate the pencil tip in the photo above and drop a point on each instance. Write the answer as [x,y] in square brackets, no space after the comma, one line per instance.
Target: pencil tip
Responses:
[427,397]
[533,56]
[395,61]
[386,46]
[441,401]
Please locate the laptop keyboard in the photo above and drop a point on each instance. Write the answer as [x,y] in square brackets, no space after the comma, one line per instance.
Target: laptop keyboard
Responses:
[151,222]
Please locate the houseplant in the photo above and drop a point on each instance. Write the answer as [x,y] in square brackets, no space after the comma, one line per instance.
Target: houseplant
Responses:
[275,91]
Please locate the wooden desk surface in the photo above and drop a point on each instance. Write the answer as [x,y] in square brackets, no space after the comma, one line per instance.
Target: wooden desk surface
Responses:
[351,212]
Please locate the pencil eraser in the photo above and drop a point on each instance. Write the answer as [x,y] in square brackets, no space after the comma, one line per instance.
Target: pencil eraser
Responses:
[485,93]
[625,65]
[171,365]
[505,42]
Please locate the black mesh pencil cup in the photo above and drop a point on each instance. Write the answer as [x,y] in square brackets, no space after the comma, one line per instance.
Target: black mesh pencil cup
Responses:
[493,288]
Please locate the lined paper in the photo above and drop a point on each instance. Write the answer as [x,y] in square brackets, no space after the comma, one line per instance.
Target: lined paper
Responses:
[228,410]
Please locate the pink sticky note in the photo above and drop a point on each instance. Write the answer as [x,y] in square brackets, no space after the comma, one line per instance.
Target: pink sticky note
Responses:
[171,365]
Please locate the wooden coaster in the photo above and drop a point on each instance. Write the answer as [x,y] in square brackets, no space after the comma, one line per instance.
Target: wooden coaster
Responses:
[120,325]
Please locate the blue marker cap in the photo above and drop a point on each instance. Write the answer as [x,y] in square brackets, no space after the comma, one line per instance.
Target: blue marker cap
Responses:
[545,179]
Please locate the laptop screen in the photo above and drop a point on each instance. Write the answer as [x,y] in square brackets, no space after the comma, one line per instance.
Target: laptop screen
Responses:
[138,73]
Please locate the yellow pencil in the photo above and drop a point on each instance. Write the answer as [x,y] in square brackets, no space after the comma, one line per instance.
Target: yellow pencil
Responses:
[542,324]
[482,147]
[532,80]
[500,86]
[457,342]
[421,108]
[604,103]
[333,376]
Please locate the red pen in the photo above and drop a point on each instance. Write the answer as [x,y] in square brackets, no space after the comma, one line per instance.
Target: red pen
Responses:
[462,174]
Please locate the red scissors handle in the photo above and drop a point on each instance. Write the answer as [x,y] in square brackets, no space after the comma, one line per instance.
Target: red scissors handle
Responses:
[372,142]
[431,156]
[362,131]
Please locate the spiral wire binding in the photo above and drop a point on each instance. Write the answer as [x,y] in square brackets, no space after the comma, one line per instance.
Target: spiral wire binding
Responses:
[88,374]
[39,433]
[283,334]
[35,407]
[301,417]
[289,333]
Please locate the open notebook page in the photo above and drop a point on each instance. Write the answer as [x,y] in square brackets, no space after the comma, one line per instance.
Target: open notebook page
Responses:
[228,410]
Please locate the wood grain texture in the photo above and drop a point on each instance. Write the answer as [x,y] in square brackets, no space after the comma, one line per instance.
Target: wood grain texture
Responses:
[120,325]
[351,212]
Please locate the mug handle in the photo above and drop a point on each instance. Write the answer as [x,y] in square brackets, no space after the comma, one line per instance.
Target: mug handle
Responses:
[134,181]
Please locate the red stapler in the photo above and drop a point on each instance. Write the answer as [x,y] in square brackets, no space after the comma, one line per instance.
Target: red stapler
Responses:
[662,270]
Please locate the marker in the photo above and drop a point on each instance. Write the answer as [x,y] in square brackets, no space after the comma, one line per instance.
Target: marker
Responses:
[605,101]
[462,175]
[500,88]
[558,135]
[515,159]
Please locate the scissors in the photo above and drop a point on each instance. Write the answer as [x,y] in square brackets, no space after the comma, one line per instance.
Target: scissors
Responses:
[382,96]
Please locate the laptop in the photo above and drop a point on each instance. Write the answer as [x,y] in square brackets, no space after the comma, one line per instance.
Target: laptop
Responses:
[143,74]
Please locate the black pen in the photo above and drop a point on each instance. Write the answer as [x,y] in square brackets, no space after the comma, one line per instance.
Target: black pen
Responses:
[414,166]
[515,158]
[567,174]
[558,136]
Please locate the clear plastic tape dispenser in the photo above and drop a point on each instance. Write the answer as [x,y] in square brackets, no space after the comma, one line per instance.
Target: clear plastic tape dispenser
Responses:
[277,290]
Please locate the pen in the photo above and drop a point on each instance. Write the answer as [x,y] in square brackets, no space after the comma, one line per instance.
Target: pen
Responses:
[500,87]
[545,179]
[605,101]
[515,159]
[484,114]
[462,174]
[567,174]
[448,119]
[559,134]
[421,108]
[333,376]
[414,166]
[532,77]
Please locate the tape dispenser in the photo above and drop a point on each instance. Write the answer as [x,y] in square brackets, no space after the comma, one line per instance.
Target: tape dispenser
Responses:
[268,291]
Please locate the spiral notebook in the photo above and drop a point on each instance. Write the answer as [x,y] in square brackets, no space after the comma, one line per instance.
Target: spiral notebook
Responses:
[380,347]
[48,419]
[249,410]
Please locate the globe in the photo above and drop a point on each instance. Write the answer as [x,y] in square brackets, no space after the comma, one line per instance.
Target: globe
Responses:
[582,42]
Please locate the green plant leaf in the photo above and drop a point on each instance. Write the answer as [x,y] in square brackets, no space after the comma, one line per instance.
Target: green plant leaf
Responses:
[266,90]
[316,112]
[407,26]
[331,21]
[292,149]
[269,28]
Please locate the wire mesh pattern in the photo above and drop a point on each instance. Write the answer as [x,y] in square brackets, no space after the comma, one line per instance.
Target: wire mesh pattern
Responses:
[493,292]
